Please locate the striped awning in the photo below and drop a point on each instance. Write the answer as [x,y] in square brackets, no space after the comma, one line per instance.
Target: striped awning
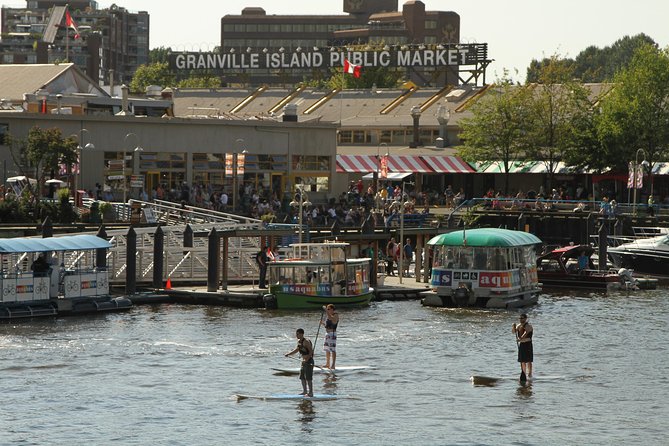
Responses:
[408,163]
[447,164]
[357,163]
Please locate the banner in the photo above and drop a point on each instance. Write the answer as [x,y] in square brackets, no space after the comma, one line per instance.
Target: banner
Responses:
[632,177]
[240,164]
[228,164]
[384,167]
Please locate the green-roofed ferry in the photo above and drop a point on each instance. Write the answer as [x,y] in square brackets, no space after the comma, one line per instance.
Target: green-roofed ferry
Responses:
[487,268]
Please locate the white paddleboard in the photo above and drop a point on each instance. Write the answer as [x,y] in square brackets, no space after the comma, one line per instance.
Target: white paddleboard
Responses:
[342,369]
[493,380]
[288,396]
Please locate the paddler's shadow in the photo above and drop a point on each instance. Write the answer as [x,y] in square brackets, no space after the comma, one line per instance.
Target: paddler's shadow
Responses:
[524,390]
[307,414]
[330,382]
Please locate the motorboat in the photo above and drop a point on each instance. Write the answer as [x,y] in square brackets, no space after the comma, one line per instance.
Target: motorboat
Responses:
[486,267]
[317,274]
[573,267]
[643,255]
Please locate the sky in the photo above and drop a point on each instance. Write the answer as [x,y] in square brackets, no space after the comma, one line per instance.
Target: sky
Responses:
[516,31]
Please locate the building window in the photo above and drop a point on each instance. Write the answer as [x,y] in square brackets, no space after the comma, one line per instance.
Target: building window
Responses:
[430,24]
[345,137]
[4,131]
[385,136]
[311,163]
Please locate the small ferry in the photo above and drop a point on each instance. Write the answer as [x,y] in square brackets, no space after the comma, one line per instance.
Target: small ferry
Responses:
[54,276]
[487,268]
[318,274]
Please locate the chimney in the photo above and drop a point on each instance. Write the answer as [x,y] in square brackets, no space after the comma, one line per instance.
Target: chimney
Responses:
[290,113]
[124,102]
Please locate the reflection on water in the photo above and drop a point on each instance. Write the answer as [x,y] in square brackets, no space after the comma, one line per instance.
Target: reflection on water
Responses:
[307,414]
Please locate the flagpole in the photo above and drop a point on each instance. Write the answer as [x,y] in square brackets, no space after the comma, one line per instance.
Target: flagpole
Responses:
[67,44]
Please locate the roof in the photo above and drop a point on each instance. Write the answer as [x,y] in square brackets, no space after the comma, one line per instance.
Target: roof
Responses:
[570,251]
[17,80]
[485,237]
[65,243]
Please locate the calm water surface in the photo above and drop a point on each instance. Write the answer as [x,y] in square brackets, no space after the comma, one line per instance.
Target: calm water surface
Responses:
[166,375]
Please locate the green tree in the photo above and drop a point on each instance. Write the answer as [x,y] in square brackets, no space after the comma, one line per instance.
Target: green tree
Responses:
[47,149]
[159,55]
[499,127]
[558,103]
[205,81]
[635,115]
[152,74]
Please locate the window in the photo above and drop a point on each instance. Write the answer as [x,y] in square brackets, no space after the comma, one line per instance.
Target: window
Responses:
[311,162]
[430,24]
[4,131]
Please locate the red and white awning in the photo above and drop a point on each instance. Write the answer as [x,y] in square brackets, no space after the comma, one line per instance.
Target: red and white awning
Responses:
[447,164]
[357,163]
[407,163]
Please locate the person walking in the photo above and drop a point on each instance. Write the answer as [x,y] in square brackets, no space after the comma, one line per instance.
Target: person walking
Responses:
[330,343]
[407,252]
[306,350]
[390,255]
[524,332]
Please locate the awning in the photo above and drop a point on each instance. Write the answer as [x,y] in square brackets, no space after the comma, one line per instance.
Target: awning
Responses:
[391,176]
[408,163]
[65,243]
[447,164]
[356,163]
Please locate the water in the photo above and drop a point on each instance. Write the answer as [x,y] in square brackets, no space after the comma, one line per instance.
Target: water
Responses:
[165,375]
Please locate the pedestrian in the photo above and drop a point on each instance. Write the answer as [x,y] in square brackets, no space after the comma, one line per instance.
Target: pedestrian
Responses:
[408,256]
[330,344]
[390,255]
[306,350]
[524,332]
[262,259]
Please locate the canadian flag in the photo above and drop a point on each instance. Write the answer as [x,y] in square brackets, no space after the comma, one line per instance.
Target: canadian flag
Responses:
[70,24]
[349,68]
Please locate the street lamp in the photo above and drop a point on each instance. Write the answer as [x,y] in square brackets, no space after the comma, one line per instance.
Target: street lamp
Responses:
[443,115]
[415,114]
[80,152]
[400,264]
[125,154]
[634,174]
[301,200]
[235,168]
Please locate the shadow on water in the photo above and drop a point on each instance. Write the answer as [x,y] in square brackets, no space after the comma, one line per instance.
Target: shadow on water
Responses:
[307,415]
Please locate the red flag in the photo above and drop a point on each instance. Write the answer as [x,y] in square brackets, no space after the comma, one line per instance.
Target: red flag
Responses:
[70,24]
[349,68]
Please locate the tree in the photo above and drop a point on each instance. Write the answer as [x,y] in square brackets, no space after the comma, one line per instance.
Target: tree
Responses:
[206,81]
[152,74]
[558,103]
[499,127]
[635,115]
[159,55]
[47,149]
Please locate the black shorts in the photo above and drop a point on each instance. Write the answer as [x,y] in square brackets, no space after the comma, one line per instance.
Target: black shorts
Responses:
[307,370]
[525,352]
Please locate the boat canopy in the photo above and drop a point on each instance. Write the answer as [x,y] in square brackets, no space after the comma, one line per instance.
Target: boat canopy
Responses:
[485,237]
[65,243]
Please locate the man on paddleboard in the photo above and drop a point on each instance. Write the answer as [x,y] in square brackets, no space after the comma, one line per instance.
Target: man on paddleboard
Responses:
[330,344]
[306,350]
[524,332]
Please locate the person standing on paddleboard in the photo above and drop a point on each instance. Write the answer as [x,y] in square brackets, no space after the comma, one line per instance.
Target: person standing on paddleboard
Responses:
[330,344]
[306,350]
[524,332]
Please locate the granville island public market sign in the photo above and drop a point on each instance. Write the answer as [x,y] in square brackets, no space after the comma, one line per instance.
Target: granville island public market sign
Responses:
[445,55]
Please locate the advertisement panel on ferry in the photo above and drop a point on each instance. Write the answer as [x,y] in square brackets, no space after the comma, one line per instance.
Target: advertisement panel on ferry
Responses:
[322,289]
[498,279]
[441,277]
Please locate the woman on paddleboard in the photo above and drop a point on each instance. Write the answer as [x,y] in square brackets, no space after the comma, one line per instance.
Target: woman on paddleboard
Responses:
[524,332]
[306,350]
[330,344]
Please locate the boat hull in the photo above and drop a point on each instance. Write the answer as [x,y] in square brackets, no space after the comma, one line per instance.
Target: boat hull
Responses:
[642,262]
[292,301]
[460,299]
[605,282]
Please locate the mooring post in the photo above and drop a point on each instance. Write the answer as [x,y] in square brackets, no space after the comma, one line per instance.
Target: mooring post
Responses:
[158,258]
[101,254]
[212,262]
[603,245]
[131,262]
[188,237]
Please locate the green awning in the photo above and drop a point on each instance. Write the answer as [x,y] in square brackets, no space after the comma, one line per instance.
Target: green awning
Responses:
[490,237]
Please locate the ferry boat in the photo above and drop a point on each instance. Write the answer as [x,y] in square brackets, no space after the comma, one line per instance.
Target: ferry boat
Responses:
[487,268]
[317,274]
[54,276]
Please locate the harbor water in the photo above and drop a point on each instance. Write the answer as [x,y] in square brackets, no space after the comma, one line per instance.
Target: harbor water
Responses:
[166,374]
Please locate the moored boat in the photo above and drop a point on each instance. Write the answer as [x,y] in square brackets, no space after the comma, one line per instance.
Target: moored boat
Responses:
[572,267]
[487,267]
[643,255]
[318,274]
[55,276]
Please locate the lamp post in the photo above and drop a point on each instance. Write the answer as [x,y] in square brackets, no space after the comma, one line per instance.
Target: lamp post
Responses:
[415,114]
[235,167]
[301,200]
[634,175]
[80,152]
[443,115]
[125,154]
[403,204]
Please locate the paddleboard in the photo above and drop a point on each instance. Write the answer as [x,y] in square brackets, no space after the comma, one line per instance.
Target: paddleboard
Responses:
[342,369]
[288,396]
[493,380]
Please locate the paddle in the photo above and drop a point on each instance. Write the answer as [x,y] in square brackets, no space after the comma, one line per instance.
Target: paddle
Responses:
[317,366]
[318,331]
